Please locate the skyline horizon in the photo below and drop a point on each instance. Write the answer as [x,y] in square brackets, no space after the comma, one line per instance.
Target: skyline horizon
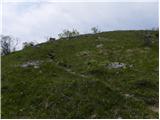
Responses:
[37,21]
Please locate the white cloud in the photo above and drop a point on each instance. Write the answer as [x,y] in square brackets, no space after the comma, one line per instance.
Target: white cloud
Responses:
[34,21]
[79,1]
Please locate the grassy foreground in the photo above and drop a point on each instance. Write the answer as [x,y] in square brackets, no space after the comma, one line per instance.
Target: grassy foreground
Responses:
[76,78]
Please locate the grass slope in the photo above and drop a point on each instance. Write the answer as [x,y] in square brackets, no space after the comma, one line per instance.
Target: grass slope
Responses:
[73,80]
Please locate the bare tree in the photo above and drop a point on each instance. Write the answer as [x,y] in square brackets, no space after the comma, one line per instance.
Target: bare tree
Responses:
[95,30]
[8,44]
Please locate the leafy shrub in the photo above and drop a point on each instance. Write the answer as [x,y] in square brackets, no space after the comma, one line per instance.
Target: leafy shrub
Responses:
[147,39]
[68,34]
[26,44]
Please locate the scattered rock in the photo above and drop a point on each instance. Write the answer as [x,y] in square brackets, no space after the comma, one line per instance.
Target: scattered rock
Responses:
[21,110]
[68,70]
[130,66]
[128,95]
[146,48]
[129,50]
[154,108]
[50,60]
[84,53]
[34,64]
[40,71]
[99,46]
[119,118]
[116,65]
[98,37]
[93,116]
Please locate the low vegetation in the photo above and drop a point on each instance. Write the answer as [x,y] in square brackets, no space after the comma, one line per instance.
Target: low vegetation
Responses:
[68,33]
[102,75]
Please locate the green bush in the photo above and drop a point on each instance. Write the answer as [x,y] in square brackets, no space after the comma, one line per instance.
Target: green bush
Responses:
[67,34]
[28,44]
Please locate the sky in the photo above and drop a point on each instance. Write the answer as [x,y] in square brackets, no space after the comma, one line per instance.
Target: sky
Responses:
[36,20]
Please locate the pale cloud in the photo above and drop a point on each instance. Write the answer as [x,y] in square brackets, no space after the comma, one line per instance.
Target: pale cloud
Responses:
[34,21]
[79,1]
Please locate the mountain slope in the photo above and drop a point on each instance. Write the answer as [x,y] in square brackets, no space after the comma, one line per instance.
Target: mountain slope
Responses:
[105,75]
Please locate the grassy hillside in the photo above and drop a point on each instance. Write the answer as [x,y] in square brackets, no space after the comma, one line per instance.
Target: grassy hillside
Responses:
[105,75]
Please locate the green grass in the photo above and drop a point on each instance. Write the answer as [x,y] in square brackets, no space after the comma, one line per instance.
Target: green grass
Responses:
[73,80]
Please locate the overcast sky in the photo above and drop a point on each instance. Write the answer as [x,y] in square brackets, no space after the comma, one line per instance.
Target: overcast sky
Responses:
[34,21]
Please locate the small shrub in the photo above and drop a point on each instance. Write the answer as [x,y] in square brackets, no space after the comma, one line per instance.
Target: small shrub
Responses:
[68,34]
[51,39]
[95,30]
[51,55]
[157,33]
[63,64]
[148,39]
[26,44]
[145,84]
